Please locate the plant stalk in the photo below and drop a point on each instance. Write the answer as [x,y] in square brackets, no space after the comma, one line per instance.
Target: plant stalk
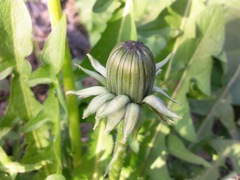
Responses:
[117,161]
[55,13]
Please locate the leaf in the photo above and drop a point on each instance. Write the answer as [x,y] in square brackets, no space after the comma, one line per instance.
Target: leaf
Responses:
[101,5]
[56,41]
[120,27]
[42,75]
[233,146]
[232,46]
[52,56]
[178,149]
[21,110]
[16,30]
[14,167]
[49,149]
[152,158]
[55,176]
[16,44]
[151,12]
[5,72]
[225,113]
[225,148]
[96,159]
[192,61]
[217,109]
[49,113]
[42,140]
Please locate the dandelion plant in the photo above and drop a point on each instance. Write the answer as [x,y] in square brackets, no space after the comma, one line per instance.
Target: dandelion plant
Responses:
[127,84]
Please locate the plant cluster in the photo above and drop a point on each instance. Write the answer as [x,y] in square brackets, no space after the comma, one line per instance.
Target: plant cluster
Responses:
[43,140]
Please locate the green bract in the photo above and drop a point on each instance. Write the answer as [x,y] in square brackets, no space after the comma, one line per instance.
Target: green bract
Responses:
[129,83]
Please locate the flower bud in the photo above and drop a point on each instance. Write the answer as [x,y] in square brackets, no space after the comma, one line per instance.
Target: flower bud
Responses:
[131,70]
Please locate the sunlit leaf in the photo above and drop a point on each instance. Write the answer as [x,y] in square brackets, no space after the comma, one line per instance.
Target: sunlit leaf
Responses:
[224,148]
[95,160]
[16,30]
[7,165]
[101,5]
[153,154]
[56,41]
[55,176]
[192,61]
[178,149]
[120,27]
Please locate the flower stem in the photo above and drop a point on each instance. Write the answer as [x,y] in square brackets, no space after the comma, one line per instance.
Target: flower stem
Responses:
[55,13]
[117,161]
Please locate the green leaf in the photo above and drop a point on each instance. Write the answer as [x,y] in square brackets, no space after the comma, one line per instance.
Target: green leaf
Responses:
[95,160]
[55,177]
[15,36]
[19,105]
[225,113]
[42,75]
[14,167]
[232,46]
[56,40]
[5,70]
[231,146]
[152,158]
[225,148]
[95,23]
[101,5]
[120,27]
[52,56]
[218,109]
[16,31]
[178,149]
[49,113]
[49,149]
[193,62]
[22,106]
[149,13]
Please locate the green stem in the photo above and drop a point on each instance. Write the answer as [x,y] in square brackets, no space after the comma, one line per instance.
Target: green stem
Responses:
[117,161]
[55,13]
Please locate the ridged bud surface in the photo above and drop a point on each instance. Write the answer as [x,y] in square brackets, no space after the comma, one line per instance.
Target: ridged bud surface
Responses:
[131,70]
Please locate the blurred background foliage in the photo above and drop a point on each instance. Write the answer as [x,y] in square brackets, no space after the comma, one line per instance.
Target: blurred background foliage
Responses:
[204,75]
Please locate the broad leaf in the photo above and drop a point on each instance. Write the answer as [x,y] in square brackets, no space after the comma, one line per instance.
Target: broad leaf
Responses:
[232,46]
[101,5]
[15,36]
[95,161]
[219,108]
[52,56]
[5,70]
[224,148]
[7,165]
[54,48]
[120,27]
[153,155]
[16,30]
[178,149]
[55,176]
[22,106]
[233,149]
[192,62]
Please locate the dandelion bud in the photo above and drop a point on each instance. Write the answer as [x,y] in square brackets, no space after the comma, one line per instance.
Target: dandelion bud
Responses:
[131,70]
